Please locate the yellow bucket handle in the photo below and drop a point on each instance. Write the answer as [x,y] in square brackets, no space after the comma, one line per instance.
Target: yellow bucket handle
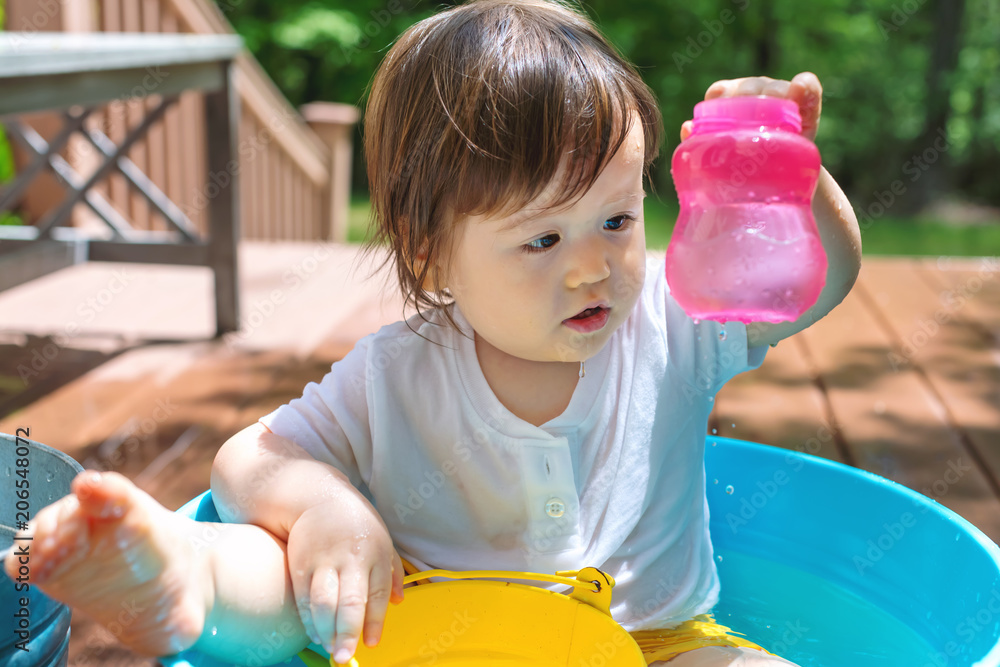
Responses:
[557,578]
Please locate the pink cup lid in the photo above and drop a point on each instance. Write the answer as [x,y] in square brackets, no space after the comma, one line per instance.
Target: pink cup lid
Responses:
[726,113]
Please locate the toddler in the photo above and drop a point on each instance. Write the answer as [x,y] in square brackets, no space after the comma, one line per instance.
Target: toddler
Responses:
[545,411]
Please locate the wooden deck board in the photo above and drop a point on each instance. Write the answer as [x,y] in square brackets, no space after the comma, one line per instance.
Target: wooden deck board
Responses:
[142,389]
[893,423]
[944,341]
[792,402]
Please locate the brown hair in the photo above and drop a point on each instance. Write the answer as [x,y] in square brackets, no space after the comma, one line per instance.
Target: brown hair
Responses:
[472,112]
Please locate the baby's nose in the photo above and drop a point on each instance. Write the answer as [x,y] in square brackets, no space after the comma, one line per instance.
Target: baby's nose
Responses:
[588,265]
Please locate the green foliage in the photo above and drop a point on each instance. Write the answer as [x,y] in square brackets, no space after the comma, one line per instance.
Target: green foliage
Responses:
[6,164]
[6,158]
[874,58]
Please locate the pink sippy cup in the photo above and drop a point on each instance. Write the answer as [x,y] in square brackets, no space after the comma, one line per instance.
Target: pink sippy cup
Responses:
[746,246]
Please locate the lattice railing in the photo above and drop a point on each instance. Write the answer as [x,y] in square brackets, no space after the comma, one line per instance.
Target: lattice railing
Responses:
[295,182]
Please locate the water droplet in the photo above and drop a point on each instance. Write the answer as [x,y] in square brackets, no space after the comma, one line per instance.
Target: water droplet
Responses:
[714,431]
[722,334]
[696,321]
[711,399]
[751,194]
[730,489]
[49,477]
[733,425]
[768,627]
[215,630]
[7,471]
[718,558]
[715,481]
[714,444]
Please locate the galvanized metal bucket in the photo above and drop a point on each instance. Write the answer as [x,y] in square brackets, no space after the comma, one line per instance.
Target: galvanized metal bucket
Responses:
[36,626]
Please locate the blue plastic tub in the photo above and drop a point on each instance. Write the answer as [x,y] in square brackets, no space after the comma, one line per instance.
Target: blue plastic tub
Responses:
[48,473]
[843,529]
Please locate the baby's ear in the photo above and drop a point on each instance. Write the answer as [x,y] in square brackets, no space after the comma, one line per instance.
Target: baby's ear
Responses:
[433,281]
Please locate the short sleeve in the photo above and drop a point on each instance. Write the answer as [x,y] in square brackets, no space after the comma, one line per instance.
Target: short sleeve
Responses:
[331,418]
[707,353]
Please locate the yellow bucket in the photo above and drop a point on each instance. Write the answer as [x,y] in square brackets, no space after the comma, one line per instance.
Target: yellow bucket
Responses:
[472,622]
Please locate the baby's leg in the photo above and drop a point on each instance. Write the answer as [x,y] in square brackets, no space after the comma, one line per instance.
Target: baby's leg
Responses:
[113,552]
[724,656]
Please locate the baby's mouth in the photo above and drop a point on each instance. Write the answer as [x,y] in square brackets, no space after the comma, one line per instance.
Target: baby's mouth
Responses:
[588,320]
[584,314]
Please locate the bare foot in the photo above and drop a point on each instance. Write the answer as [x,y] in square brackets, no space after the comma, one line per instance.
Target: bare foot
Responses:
[108,549]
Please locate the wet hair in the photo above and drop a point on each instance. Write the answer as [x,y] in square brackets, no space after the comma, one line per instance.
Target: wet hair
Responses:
[474,110]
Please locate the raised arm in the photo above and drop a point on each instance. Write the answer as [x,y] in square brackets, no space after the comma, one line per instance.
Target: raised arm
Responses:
[835,218]
[838,230]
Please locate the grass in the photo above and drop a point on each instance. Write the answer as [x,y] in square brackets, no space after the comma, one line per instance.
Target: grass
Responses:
[884,236]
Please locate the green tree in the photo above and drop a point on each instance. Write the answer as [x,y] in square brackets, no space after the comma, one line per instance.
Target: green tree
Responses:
[896,73]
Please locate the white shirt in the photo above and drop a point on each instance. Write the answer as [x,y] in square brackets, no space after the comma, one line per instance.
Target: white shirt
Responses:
[617,481]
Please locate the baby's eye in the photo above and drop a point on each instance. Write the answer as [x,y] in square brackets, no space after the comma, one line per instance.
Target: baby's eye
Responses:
[541,244]
[617,222]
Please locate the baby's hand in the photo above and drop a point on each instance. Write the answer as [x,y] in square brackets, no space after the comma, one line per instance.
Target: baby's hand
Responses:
[344,573]
[804,88]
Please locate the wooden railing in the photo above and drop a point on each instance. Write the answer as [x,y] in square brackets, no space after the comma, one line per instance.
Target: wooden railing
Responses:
[294,172]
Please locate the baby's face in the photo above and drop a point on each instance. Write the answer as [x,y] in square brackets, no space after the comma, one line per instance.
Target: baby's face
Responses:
[520,286]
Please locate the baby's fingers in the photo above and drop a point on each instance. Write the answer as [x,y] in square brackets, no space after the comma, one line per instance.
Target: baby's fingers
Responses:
[324,593]
[806,89]
[350,614]
[382,589]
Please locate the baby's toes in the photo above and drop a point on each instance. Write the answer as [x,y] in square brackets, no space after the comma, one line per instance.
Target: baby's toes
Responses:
[50,532]
[71,537]
[104,495]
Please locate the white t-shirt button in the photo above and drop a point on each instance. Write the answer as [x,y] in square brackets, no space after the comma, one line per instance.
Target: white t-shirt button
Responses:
[555,508]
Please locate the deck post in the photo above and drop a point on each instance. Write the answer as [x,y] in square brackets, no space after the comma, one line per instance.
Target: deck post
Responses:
[334,124]
[221,191]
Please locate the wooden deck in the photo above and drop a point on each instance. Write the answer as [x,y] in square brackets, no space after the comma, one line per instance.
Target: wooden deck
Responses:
[114,364]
